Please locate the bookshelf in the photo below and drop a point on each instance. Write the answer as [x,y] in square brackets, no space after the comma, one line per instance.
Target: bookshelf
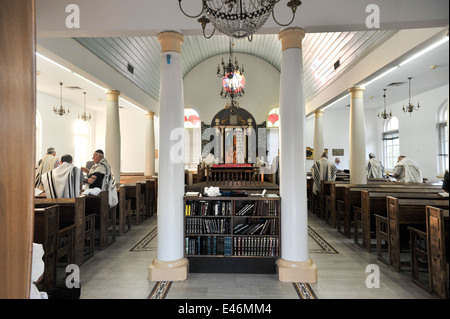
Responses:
[232,234]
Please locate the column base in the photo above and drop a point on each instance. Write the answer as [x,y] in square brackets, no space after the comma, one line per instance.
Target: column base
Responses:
[297,271]
[174,270]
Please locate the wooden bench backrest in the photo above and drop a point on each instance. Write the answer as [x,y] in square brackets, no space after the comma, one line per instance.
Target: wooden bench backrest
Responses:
[437,238]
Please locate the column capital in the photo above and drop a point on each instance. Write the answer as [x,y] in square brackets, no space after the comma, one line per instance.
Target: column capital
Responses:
[150,115]
[318,113]
[112,95]
[356,91]
[170,41]
[291,38]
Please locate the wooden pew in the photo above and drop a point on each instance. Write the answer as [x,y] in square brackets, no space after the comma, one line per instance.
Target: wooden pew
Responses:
[46,227]
[374,202]
[105,218]
[406,212]
[351,197]
[135,194]
[71,225]
[438,253]
[123,220]
[150,196]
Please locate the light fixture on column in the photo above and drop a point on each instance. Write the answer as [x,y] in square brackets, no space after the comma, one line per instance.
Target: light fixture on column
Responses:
[61,110]
[232,76]
[410,107]
[384,114]
[238,18]
[84,116]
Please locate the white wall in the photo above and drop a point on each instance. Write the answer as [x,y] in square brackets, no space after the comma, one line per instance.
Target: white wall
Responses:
[58,131]
[202,87]
[417,131]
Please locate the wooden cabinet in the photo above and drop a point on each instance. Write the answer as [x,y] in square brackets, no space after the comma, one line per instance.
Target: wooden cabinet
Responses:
[232,234]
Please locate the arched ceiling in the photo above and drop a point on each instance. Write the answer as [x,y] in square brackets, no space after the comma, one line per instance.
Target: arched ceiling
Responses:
[321,51]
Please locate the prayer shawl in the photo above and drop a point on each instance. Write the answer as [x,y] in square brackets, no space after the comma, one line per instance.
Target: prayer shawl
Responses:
[37,270]
[374,168]
[62,182]
[409,171]
[322,170]
[46,164]
[109,183]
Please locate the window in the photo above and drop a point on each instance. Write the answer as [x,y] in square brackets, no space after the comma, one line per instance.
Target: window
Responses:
[442,131]
[82,143]
[193,142]
[272,124]
[391,143]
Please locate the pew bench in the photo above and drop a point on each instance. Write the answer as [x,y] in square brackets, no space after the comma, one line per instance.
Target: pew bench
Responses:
[135,197]
[374,202]
[400,214]
[123,220]
[105,218]
[71,226]
[46,228]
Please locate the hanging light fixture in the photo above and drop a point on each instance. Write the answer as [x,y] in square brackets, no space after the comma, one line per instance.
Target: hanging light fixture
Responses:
[61,110]
[84,116]
[238,19]
[232,76]
[410,107]
[384,115]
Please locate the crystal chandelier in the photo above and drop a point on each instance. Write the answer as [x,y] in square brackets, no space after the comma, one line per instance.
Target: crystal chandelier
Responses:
[61,110]
[410,107]
[238,19]
[384,115]
[84,116]
[232,76]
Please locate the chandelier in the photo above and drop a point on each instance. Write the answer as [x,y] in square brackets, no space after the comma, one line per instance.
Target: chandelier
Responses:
[410,107]
[61,110]
[384,115]
[84,116]
[232,76]
[238,19]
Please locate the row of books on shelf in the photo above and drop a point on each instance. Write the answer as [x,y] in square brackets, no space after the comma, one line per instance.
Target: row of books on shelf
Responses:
[259,208]
[208,208]
[261,227]
[223,246]
[197,225]
[255,246]
[208,245]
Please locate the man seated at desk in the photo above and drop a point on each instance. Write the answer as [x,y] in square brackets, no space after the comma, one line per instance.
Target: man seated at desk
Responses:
[64,181]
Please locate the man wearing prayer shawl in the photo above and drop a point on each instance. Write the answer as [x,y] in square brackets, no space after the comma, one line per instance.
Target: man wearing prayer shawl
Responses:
[322,170]
[63,181]
[46,164]
[407,171]
[100,175]
[374,168]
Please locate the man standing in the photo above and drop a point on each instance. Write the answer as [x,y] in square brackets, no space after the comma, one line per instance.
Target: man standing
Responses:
[63,181]
[322,170]
[100,175]
[407,171]
[46,164]
[374,167]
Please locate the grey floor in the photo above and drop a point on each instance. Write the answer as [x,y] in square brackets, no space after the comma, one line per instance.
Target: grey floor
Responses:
[118,273]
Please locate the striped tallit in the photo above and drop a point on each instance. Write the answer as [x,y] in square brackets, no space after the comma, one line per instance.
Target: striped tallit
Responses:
[322,170]
[62,182]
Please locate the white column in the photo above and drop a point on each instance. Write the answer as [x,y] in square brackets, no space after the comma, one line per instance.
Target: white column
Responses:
[357,137]
[318,134]
[170,264]
[149,144]
[112,138]
[294,264]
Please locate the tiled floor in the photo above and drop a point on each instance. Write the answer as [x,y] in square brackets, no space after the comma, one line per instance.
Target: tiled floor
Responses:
[119,273]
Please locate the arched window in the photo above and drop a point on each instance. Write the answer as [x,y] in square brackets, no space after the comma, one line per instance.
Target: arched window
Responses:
[38,136]
[193,138]
[442,131]
[82,138]
[391,143]
[272,125]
